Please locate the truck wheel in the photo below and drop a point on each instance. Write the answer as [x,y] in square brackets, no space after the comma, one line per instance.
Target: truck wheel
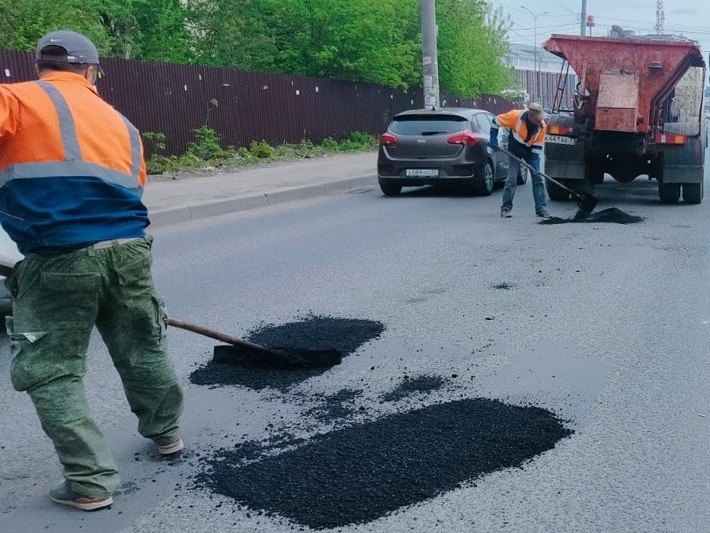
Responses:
[693,193]
[556,192]
[390,189]
[669,193]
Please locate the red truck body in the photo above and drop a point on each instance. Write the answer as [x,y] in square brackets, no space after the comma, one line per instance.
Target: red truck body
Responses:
[638,110]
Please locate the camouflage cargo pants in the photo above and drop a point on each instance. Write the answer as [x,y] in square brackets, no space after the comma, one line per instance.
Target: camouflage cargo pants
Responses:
[57,300]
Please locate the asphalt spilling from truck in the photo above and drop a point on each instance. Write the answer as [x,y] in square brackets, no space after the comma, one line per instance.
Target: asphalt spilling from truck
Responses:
[311,333]
[365,471]
[611,215]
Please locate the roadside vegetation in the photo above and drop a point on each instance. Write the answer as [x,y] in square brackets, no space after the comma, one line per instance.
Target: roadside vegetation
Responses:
[354,40]
[205,155]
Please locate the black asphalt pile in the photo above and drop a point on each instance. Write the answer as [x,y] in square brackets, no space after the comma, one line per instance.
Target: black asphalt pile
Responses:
[363,472]
[612,215]
[334,407]
[312,333]
[409,386]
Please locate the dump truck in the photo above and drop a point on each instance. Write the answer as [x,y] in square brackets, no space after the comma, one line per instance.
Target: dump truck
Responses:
[637,110]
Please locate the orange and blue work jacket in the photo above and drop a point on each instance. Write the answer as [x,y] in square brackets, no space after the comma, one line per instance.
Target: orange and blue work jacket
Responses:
[523,134]
[71,167]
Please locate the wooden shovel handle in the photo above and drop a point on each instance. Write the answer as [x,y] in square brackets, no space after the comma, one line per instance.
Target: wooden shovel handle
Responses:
[215,335]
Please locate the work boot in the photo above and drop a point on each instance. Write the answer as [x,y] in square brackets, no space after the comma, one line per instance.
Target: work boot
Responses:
[63,495]
[544,214]
[505,213]
[170,447]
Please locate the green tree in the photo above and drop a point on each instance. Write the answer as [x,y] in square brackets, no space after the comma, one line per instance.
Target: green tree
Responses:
[472,42]
[145,29]
[375,41]
[362,40]
[23,22]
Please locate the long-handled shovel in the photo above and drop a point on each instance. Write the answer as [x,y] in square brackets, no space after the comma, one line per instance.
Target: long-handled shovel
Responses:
[240,351]
[585,202]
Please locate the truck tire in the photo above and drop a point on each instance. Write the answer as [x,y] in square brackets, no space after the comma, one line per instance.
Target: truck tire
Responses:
[669,193]
[693,193]
[389,188]
[556,192]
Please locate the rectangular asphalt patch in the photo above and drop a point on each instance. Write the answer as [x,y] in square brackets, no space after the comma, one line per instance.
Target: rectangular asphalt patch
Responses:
[363,472]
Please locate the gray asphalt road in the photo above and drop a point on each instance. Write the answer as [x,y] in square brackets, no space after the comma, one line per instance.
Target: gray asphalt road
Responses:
[605,325]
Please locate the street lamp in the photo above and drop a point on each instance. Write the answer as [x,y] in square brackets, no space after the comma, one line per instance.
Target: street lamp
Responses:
[537,73]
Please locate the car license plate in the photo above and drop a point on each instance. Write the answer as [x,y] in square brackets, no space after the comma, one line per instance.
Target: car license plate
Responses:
[558,139]
[422,172]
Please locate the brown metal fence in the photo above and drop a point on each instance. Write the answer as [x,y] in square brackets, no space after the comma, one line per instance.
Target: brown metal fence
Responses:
[177,99]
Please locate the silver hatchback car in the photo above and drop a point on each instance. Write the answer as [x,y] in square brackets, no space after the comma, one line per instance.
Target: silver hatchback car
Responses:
[445,146]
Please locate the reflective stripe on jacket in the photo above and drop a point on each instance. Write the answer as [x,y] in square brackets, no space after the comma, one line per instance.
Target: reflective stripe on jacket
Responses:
[515,121]
[71,167]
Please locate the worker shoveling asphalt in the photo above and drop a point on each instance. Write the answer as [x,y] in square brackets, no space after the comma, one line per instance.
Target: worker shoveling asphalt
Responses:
[585,202]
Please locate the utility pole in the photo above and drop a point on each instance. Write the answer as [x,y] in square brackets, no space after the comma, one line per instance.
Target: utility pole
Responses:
[582,26]
[430,63]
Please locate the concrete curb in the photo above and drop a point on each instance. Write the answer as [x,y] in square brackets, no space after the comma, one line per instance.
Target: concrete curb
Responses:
[166,217]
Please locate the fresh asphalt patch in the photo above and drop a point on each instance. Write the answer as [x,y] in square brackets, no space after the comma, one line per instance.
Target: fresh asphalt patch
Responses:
[313,332]
[362,472]
[611,215]
[425,383]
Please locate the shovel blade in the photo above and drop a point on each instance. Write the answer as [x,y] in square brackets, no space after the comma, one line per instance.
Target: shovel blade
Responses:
[277,358]
[586,204]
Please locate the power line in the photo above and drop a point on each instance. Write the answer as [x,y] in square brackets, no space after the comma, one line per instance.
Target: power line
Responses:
[549,27]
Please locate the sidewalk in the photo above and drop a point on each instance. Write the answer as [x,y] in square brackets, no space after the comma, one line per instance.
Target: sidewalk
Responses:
[191,198]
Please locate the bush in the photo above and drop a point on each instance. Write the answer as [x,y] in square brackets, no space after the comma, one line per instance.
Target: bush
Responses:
[155,141]
[207,146]
[359,141]
[261,149]
[160,164]
[329,144]
[207,152]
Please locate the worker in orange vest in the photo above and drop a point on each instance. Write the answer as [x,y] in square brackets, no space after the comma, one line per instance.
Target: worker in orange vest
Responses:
[527,137]
[71,178]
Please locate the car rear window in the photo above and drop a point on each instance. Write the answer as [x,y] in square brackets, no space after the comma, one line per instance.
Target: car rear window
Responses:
[427,125]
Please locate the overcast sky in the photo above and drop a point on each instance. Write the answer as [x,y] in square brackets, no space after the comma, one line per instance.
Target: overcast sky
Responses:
[691,18]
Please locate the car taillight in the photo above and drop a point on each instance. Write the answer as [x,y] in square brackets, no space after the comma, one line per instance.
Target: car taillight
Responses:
[466,138]
[388,139]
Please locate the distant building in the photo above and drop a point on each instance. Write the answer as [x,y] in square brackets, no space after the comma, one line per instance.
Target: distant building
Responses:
[537,73]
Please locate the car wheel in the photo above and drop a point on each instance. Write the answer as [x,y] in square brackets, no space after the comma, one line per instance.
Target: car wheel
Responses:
[523,174]
[485,180]
[390,189]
